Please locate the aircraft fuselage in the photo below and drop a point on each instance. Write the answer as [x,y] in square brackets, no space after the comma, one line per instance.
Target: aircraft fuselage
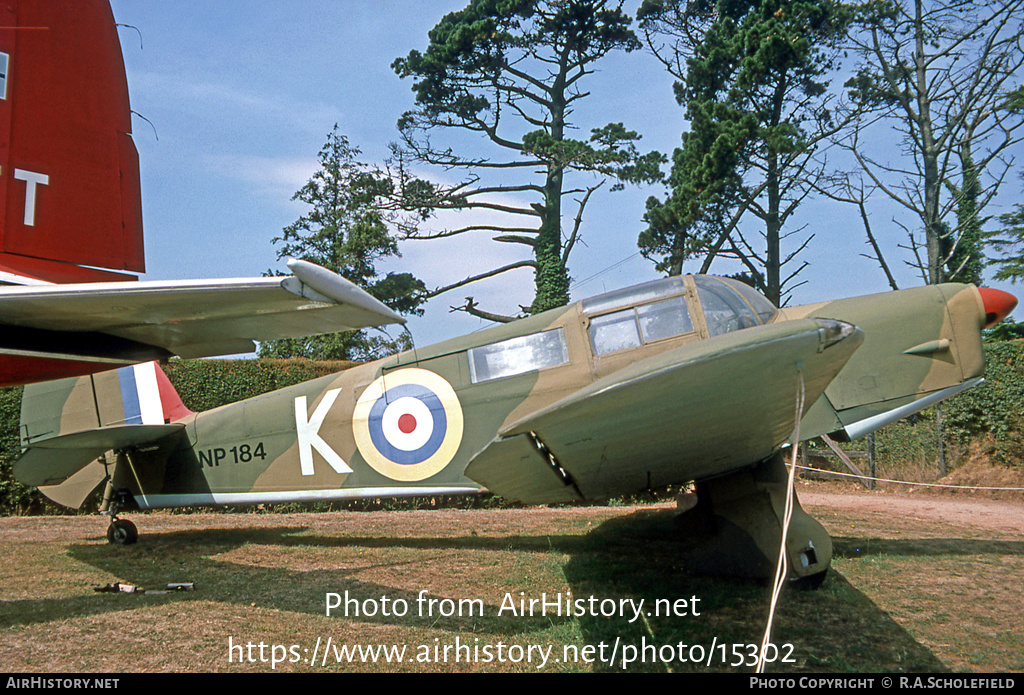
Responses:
[411,424]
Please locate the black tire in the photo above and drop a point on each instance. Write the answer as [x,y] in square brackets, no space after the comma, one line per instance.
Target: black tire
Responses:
[812,581]
[122,532]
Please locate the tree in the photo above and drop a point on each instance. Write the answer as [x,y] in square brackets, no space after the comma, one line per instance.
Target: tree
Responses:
[961,249]
[753,79]
[512,72]
[1009,243]
[944,75]
[346,230]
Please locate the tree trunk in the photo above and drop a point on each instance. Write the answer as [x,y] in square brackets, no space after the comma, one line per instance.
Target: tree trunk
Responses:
[929,154]
[552,277]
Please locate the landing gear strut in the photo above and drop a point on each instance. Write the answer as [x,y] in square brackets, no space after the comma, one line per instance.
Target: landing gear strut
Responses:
[737,528]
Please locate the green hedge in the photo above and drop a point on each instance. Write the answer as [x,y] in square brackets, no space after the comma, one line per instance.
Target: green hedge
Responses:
[15,498]
[207,384]
[995,409]
[992,413]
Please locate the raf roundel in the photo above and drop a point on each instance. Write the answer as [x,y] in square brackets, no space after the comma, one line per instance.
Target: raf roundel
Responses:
[408,424]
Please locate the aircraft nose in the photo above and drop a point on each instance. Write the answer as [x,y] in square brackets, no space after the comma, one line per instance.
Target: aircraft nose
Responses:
[998,305]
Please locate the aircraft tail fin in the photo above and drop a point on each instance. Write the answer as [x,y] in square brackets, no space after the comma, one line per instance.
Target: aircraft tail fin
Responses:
[67,424]
[139,394]
[69,170]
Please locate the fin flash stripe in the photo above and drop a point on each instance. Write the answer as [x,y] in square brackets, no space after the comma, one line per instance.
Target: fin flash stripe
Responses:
[140,395]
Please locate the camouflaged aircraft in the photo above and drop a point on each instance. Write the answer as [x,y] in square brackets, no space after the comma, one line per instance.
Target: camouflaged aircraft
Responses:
[692,378]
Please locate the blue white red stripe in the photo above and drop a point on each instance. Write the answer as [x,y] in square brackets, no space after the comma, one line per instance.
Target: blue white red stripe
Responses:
[140,395]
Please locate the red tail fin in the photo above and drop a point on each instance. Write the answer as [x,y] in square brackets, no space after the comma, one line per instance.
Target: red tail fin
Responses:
[69,171]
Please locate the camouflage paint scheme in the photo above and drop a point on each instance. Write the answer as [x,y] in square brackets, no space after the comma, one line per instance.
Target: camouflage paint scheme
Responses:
[684,379]
[572,404]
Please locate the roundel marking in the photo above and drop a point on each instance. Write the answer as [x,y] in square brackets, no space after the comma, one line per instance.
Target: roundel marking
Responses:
[408,424]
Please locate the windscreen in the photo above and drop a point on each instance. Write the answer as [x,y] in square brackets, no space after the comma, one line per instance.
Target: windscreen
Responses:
[727,307]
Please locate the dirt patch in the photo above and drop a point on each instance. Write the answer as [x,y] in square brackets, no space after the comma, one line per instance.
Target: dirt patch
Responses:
[920,504]
[982,478]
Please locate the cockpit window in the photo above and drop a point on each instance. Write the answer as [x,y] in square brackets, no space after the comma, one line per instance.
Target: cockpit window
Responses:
[764,309]
[634,295]
[658,310]
[613,332]
[518,355]
[643,324]
[724,307]
[664,319]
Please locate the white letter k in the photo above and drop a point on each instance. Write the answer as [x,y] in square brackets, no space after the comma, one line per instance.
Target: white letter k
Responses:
[308,432]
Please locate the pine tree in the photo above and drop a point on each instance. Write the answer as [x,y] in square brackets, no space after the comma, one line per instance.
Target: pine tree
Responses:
[346,230]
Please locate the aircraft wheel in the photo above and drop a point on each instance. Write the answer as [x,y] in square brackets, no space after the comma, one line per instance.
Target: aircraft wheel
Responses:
[811,582]
[122,532]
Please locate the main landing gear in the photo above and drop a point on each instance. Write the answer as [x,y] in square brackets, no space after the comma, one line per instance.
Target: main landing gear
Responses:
[736,528]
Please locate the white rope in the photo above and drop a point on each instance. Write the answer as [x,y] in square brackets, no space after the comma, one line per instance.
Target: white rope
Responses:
[907,482]
[782,569]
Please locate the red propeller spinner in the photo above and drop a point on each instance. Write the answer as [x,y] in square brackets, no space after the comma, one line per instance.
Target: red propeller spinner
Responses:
[998,305]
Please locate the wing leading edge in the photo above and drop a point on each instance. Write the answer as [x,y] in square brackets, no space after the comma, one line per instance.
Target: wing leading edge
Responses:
[124,322]
[691,413]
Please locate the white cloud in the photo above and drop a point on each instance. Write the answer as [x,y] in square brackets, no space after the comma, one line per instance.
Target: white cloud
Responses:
[275,177]
[223,102]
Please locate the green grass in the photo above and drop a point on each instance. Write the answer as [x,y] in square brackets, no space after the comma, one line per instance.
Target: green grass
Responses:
[887,606]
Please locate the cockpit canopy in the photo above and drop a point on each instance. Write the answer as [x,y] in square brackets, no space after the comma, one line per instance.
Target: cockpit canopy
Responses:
[630,318]
[728,304]
[659,309]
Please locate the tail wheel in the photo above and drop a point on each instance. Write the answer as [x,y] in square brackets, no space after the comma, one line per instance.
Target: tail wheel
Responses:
[122,532]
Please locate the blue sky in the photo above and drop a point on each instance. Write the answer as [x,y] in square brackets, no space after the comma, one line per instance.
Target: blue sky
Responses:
[241,97]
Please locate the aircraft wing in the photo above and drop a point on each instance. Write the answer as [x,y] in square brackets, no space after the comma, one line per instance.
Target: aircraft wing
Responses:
[123,322]
[694,412]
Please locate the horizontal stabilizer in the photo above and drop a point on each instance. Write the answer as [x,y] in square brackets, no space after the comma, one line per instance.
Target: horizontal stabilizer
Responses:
[702,409]
[54,460]
[75,490]
[124,322]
